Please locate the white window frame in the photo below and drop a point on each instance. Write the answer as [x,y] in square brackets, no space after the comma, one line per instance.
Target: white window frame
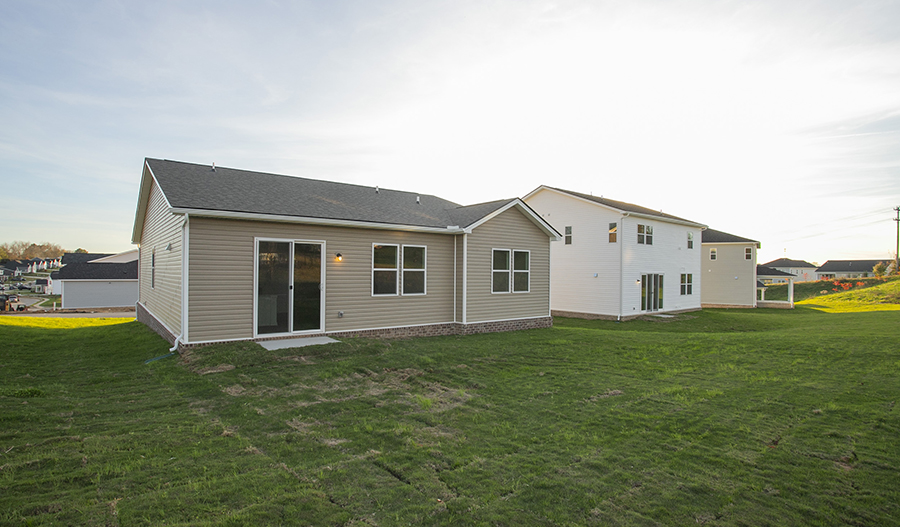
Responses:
[514,272]
[644,234]
[568,234]
[713,254]
[690,240]
[748,253]
[153,268]
[395,270]
[423,270]
[613,232]
[508,271]
[687,284]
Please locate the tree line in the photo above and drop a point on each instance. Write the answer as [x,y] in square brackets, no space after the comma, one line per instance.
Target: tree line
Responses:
[20,250]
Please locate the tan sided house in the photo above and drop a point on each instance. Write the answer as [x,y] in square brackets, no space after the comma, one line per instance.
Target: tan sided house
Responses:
[230,254]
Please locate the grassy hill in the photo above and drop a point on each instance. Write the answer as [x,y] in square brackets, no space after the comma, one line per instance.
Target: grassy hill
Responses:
[870,290]
[720,417]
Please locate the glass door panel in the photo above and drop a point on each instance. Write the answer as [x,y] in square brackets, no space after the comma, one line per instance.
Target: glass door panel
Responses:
[273,287]
[307,286]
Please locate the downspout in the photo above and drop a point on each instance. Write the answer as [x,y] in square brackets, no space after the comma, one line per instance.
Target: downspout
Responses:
[455,271]
[184,273]
[465,283]
[621,265]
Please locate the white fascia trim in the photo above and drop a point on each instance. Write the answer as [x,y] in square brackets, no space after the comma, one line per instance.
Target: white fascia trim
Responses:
[225,214]
[525,209]
[144,197]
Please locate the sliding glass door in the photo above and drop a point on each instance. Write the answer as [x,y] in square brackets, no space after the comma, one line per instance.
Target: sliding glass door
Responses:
[651,292]
[288,287]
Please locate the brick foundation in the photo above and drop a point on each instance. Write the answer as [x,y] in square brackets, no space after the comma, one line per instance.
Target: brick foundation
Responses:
[595,316]
[145,317]
[432,330]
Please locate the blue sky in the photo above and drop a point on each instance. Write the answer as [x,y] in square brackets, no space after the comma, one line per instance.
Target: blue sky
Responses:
[775,122]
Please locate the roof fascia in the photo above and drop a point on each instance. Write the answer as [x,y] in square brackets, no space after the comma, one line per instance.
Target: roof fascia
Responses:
[748,242]
[526,210]
[140,214]
[232,215]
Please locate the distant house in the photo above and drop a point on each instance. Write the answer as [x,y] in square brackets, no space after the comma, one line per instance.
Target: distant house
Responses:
[85,281]
[230,254]
[729,270]
[833,269]
[802,270]
[619,260]
[42,286]
[767,276]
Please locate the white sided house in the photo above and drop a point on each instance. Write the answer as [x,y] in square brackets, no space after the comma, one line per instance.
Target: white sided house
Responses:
[618,260]
[97,280]
[729,270]
[230,254]
[801,270]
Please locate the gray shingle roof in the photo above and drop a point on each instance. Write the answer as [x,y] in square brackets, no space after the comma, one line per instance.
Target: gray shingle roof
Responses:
[99,271]
[848,266]
[714,236]
[72,258]
[762,270]
[199,187]
[623,206]
[787,262]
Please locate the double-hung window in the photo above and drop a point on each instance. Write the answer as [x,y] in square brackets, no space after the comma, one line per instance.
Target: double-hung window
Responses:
[510,271]
[568,235]
[398,268]
[690,240]
[385,269]
[687,284]
[500,271]
[645,234]
[748,253]
[613,228]
[153,269]
[413,270]
[712,254]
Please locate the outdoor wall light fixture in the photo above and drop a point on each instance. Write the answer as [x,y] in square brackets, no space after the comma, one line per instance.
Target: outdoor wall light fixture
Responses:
[339,257]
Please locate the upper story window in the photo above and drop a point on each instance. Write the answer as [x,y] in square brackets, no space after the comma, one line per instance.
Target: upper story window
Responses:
[645,234]
[748,253]
[690,240]
[712,254]
[613,231]
[568,235]
[153,269]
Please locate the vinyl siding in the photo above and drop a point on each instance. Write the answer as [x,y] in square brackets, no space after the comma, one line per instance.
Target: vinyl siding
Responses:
[594,276]
[509,230]
[730,279]
[161,228]
[221,277]
[668,256]
[574,266]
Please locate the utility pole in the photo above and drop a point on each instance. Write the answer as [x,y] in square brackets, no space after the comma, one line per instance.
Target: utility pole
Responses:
[897,248]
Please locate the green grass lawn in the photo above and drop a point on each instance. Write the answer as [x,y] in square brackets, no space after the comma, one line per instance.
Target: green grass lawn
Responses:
[722,417]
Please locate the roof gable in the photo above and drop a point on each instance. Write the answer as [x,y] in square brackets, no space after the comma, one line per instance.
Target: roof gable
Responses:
[620,206]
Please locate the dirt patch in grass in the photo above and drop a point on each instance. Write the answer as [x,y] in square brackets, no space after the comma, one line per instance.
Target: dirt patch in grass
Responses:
[216,369]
